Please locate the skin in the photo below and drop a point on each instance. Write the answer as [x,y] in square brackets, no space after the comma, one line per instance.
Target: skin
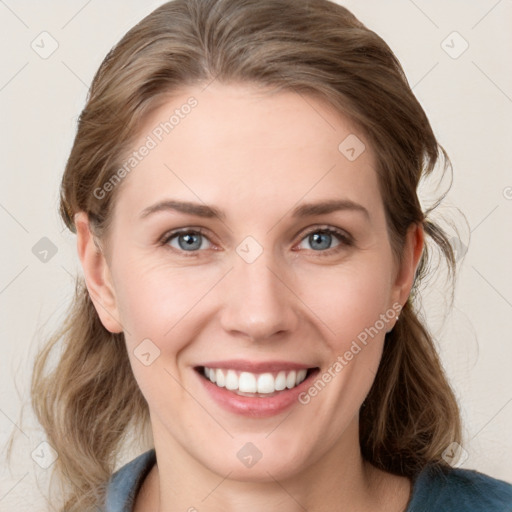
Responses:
[255,156]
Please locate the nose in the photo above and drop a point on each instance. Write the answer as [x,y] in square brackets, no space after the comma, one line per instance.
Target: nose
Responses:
[258,302]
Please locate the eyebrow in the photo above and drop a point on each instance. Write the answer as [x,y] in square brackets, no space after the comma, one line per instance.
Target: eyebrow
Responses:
[304,210]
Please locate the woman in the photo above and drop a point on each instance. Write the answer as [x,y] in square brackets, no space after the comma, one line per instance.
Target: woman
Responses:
[243,186]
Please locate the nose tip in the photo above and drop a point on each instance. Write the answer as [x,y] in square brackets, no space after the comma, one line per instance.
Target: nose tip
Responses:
[257,303]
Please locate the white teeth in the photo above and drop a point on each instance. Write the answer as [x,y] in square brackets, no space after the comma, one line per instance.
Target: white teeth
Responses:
[290,379]
[231,380]
[280,383]
[220,378]
[266,383]
[301,375]
[247,382]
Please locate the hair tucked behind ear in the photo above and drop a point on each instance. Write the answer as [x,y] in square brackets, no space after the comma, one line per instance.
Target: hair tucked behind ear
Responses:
[90,401]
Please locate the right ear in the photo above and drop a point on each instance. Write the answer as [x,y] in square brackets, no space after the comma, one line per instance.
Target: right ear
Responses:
[97,275]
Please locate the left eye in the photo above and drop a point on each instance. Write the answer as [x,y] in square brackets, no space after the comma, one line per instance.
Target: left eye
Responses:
[321,239]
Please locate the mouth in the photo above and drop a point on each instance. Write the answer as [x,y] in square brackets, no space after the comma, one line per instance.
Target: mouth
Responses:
[254,389]
[251,384]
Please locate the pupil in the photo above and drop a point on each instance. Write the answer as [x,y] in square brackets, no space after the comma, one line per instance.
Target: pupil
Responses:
[317,237]
[189,241]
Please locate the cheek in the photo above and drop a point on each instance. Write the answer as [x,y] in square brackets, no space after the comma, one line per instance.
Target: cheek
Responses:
[155,304]
[348,299]
[355,334]
[154,298]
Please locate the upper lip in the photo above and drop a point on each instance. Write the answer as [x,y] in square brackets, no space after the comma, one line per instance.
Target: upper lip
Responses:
[256,366]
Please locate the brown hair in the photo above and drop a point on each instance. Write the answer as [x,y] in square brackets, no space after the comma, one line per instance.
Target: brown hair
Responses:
[90,401]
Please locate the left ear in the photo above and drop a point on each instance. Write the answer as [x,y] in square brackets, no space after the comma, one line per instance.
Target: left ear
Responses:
[412,250]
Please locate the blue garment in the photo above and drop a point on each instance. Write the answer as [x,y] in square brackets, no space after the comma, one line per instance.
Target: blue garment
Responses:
[434,489]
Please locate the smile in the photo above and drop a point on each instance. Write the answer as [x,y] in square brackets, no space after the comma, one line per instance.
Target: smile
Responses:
[255,389]
[249,384]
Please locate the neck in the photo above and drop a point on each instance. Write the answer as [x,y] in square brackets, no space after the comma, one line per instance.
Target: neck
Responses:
[333,480]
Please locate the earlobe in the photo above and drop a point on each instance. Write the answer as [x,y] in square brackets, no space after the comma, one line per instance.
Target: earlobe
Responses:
[412,251]
[97,275]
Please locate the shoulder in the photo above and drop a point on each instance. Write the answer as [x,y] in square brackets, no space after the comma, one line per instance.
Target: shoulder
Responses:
[459,490]
[125,483]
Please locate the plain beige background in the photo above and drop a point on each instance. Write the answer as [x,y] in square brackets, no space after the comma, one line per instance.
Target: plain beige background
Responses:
[466,94]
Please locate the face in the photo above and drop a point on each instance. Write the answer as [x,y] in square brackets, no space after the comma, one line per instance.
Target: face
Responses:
[219,268]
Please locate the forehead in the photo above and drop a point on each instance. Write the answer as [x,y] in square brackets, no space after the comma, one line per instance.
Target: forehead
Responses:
[239,145]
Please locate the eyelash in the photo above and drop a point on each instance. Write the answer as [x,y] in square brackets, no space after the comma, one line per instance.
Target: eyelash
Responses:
[344,238]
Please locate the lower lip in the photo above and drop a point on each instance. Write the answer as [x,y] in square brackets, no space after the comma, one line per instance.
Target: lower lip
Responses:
[256,407]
